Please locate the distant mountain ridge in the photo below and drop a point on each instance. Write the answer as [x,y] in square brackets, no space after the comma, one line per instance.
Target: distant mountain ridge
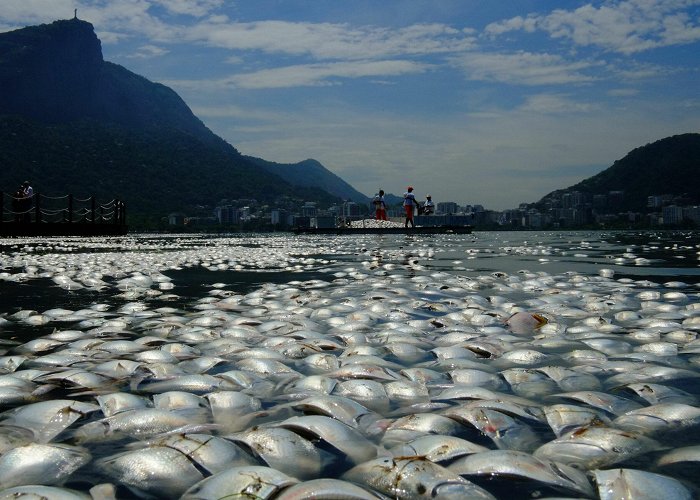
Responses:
[72,122]
[310,173]
[669,166]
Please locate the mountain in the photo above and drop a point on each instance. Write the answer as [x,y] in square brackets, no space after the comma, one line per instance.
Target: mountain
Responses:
[670,166]
[310,173]
[74,123]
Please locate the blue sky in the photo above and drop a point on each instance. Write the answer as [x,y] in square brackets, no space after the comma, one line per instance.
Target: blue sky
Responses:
[488,102]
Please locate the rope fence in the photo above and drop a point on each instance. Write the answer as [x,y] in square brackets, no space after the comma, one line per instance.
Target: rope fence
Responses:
[60,209]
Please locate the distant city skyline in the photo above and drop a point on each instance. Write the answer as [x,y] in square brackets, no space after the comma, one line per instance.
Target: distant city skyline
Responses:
[476,102]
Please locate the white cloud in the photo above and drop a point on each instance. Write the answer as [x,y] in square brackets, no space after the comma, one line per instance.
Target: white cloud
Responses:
[148,51]
[326,41]
[320,74]
[620,26]
[303,75]
[523,68]
[196,8]
[518,23]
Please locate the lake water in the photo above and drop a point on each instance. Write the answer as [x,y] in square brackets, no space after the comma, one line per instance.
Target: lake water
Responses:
[415,306]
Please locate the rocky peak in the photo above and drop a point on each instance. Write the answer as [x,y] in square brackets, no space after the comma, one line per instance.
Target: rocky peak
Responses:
[48,70]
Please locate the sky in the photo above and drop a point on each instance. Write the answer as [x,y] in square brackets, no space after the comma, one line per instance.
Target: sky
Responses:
[490,102]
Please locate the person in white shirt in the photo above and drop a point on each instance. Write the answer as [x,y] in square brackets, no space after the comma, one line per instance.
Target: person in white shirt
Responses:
[428,206]
[409,202]
[380,206]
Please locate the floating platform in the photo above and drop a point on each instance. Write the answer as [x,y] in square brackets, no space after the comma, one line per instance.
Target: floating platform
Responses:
[344,230]
[62,229]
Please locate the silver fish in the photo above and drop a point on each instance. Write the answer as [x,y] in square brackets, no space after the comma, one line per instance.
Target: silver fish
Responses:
[326,488]
[412,478]
[43,492]
[156,469]
[47,419]
[505,431]
[45,464]
[243,482]
[515,464]
[344,438]
[630,483]
[275,446]
[563,418]
[660,418]
[138,423]
[596,446]
[437,448]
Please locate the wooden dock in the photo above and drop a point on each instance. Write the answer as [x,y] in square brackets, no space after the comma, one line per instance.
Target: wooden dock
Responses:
[64,215]
[344,230]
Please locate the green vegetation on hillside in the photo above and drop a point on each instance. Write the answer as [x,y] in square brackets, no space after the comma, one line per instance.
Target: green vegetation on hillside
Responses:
[670,166]
[155,171]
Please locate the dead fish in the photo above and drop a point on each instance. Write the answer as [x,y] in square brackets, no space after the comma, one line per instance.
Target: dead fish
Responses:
[197,384]
[651,374]
[419,424]
[525,322]
[47,419]
[242,482]
[36,463]
[414,477]
[116,402]
[437,448]
[276,446]
[362,371]
[630,483]
[527,382]
[347,410]
[571,380]
[45,492]
[682,463]
[563,418]
[326,488]
[506,432]
[510,464]
[342,437]
[595,446]
[138,423]
[660,418]
[614,405]
[477,377]
[658,393]
[158,470]
[311,385]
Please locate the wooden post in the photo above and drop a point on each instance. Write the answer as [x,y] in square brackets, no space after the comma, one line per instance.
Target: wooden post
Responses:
[92,208]
[70,208]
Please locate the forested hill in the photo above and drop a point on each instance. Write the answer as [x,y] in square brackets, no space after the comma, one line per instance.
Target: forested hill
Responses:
[74,123]
[668,166]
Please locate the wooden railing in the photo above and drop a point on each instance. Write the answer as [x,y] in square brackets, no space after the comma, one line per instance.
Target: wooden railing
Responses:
[66,209]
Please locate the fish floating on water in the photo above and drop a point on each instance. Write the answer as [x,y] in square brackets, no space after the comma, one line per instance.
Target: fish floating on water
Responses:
[355,373]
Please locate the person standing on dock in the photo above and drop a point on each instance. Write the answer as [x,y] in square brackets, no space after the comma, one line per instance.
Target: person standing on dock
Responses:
[379,206]
[409,202]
